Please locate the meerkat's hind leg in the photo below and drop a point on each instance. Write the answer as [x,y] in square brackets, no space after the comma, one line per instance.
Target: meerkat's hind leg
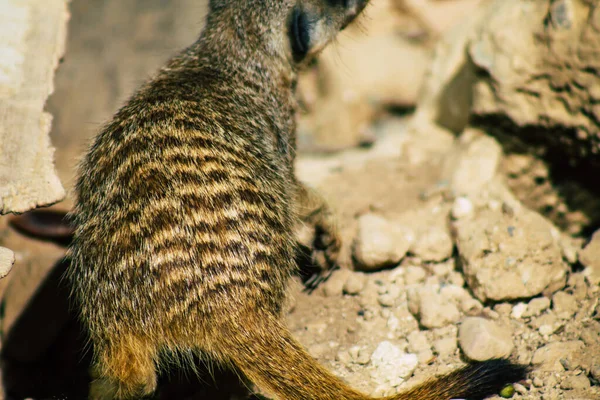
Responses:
[124,370]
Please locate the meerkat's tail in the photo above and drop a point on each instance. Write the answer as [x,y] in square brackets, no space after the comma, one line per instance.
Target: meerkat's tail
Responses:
[274,361]
[44,224]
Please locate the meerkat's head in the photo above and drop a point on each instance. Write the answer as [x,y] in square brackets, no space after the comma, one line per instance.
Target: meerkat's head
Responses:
[294,29]
[312,24]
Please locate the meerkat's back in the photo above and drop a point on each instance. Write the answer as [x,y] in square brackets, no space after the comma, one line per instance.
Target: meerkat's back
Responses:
[186,208]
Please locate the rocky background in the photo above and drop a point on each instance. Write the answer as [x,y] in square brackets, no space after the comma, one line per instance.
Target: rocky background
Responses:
[458,142]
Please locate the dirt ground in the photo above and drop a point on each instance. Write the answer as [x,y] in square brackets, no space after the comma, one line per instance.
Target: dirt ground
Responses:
[349,321]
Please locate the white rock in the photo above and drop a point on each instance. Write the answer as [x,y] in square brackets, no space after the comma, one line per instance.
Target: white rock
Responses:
[518,310]
[392,365]
[379,243]
[481,339]
[462,208]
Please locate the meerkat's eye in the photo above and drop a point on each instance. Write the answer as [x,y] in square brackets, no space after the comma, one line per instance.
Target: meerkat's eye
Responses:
[299,34]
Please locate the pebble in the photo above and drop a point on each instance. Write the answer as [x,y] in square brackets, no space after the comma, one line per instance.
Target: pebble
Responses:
[564,305]
[518,310]
[380,243]
[355,283]
[462,208]
[537,306]
[7,259]
[470,306]
[546,330]
[386,300]
[414,275]
[435,311]
[335,284]
[417,342]
[575,382]
[481,339]
[445,347]
[392,365]
[435,244]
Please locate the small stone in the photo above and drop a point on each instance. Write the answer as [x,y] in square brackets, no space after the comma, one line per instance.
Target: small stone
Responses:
[417,341]
[470,306]
[435,244]
[335,284]
[537,306]
[363,357]
[355,283]
[537,382]
[392,365]
[425,356]
[564,305]
[353,352]
[414,275]
[7,259]
[545,330]
[380,243]
[520,388]
[445,347]
[481,339]
[343,357]
[575,382]
[435,311]
[518,310]
[462,208]
[386,300]
[548,357]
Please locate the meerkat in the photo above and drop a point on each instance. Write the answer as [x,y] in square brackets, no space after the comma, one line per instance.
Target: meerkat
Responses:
[185,214]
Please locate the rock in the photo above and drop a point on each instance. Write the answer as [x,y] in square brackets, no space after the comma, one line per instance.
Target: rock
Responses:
[425,356]
[564,305]
[537,306]
[590,258]
[501,40]
[414,275]
[481,339]
[462,208]
[417,342]
[472,163]
[445,347]
[386,300]
[548,358]
[434,244]
[575,382]
[518,310]
[379,243]
[335,284]
[432,309]
[7,259]
[355,283]
[392,365]
[508,258]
